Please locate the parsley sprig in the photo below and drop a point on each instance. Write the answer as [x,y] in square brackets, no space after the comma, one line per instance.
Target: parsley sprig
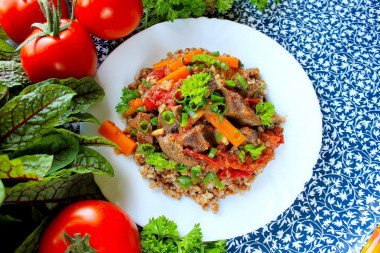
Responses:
[194,88]
[161,235]
[265,112]
[127,96]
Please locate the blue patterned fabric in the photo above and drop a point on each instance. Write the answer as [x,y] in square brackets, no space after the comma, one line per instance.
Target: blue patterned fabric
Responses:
[337,44]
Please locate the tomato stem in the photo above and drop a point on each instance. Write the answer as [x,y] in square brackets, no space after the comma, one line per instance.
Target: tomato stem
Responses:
[77,244]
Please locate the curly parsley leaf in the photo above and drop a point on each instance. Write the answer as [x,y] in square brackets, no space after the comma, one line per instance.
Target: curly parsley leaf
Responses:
[242,156]
[223,5]
[158,160]
[265,112]
[161,236]
[127,96]
[194,87]
[254,151]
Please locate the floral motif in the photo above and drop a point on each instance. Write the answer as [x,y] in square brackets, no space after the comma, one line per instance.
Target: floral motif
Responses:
[337,42]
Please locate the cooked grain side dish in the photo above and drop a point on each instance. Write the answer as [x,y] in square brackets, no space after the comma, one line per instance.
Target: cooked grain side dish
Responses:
[203,125]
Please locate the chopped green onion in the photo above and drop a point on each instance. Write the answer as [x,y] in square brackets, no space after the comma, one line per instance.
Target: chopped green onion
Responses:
[194,174]
[213,176]
[190,69]
[146,83]
[175,97]
[216,97]
[169,114]
[215,53]
[225,66]
[154,121]
[181,168]
[256,92]
[230,83]
[184,181]
[200,66]
[212,152]
[193,106]
[191,113]
[202,104]
[145,149]
[144,126]
[242,81]
[133,131]
[140,109]
[217,63]
[234,133]
[185,119]
[215,108]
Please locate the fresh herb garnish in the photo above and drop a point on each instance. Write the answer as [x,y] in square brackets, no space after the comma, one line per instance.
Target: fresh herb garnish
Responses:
[158,160]
[265,112]
[127,96]
[208,59]
[194,88]
[161,235]
[254,151]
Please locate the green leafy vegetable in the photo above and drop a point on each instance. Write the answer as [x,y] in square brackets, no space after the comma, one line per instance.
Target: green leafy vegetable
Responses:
[3,35]
[24,119]
[53,191]
[265,112]
[82,117]
[87,156]
[30,244]
[158,160]
[32,167]
[2,192]
[63,147]
[223,5]
[161,236]
[242,155]
[254,151]
[127,96]
[194,88]
[6,51]
[208,59]
[12,74]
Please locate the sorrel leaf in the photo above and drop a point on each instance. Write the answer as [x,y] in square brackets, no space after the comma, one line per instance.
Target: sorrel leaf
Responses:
[82,117]
[88,92]
[4,94]
[32,167]
[24,119]
[89,160]
[31,243]
[2,192]
[3,35]
[89,140]
[6,51]
[63,147]
[53,191]
[12,74]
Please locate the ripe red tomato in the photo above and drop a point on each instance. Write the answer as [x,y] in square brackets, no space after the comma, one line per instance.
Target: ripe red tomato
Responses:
[110,228]
[17,16]
[71,54]
[109,19]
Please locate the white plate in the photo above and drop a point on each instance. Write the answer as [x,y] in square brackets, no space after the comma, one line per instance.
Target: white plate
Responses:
[290,90]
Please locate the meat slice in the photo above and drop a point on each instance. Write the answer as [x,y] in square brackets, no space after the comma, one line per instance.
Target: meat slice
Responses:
[198,139]
[171,128]
[212,86]
[250,134]
[133,125]
[174,150]
[238,110]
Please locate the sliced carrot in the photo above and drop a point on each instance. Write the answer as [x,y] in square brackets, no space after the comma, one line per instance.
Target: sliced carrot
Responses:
[110,131]
[163,63]
[226,128]
[233,62]
[134,104]
[184,60]
[175,76]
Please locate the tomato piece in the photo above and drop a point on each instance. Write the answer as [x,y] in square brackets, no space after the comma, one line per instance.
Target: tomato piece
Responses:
[71,54]
[110,228]
[17,17]
[156,75]
[109,19]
